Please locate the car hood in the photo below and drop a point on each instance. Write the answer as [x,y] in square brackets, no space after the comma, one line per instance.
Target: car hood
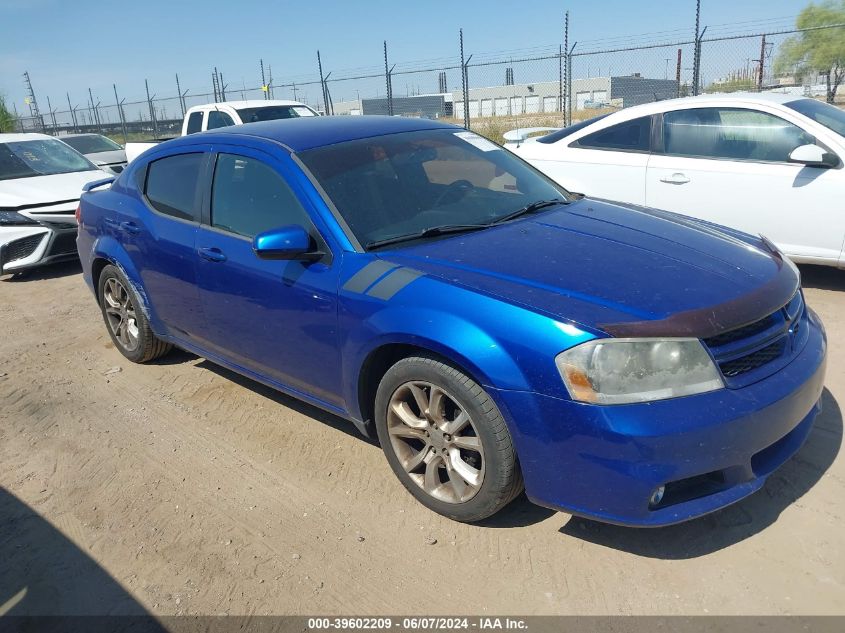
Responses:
[39,190]
[107,158]
[47,198]
[622,270]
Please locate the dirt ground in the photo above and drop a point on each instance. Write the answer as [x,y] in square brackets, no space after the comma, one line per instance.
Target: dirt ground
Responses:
[181,488]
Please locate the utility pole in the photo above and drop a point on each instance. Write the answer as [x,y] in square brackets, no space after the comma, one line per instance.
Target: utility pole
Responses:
[33,103]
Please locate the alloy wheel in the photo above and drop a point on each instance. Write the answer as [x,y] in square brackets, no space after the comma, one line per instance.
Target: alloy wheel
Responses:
[120,313]
[435,441]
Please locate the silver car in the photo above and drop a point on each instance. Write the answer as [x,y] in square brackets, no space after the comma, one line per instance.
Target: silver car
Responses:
[99,149]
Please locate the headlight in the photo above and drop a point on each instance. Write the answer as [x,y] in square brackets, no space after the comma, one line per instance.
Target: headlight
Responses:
[620,371]
[13,218]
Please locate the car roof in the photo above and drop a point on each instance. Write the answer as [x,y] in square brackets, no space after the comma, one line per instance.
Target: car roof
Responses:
[249,103]
[303,133]
[27,136]
[722,98]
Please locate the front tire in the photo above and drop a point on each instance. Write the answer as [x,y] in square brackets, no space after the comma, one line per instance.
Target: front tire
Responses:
[446,440]
[125,320]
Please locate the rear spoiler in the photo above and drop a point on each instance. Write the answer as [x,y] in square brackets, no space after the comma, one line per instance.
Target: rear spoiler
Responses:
[97,183]
[520,134]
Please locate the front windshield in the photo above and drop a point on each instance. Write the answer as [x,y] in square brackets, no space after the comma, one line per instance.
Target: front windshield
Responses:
[42,157]
[271,113]
[402,184]
[91,144]
[829,116]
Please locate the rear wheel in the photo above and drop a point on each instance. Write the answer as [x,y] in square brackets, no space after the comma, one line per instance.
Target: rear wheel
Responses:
[126,322]
[446,440]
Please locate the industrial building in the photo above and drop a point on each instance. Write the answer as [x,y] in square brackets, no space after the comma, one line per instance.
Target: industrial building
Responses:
[525,98]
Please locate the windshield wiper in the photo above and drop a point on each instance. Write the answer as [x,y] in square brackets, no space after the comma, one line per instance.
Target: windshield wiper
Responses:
[429,232]
[465,228]
[528,208]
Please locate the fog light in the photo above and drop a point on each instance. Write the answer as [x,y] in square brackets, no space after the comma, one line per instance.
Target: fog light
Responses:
[656,496]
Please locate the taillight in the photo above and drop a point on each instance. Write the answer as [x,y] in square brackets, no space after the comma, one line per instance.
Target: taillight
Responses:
[78,214]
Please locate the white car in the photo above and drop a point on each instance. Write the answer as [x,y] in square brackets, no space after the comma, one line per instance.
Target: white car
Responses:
[215,115]
[99,149]
[41,180]
[766,164]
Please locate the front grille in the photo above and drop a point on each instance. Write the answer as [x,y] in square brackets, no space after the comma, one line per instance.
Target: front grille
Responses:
[753,360]
[746,331]
[63,244]
[751,347]
[19,249]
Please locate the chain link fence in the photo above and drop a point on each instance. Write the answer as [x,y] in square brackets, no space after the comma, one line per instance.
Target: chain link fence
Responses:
[490,93]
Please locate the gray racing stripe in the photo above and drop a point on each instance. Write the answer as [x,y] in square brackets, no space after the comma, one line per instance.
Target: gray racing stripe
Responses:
[365,277]
[393,283]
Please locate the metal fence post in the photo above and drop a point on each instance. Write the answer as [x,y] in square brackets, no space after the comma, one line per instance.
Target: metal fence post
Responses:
[120,113]
[52,116]
[569,83]
[464,82]
[323,84]
[696,55]
[566,115]
[152,108]
[388,82]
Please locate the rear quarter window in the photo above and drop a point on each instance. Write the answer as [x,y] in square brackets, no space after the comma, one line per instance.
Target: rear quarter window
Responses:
[171,185]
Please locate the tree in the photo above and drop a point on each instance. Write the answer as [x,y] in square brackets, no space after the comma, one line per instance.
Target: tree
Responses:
[8,122]
[822,50]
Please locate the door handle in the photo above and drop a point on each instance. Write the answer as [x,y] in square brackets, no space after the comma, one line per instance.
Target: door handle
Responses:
[130,227]
[212,254]
[675,179]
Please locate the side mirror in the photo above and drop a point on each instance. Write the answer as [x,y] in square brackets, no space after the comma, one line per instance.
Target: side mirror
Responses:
[286,242]
[813,156]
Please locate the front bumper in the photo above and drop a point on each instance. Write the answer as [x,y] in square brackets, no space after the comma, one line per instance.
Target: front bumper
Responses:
[709,450]
[22,248]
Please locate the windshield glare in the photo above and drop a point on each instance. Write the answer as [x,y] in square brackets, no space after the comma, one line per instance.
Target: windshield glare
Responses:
[42,157]
[401,184]
[827,115]
[271,113]
[91,144]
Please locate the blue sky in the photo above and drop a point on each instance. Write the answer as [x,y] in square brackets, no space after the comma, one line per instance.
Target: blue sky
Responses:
[73,45]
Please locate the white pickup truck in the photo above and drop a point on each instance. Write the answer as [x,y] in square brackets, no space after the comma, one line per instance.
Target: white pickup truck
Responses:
[214,115]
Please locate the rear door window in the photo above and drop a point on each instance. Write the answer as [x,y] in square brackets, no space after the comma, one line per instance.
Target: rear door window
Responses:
[630,136]
[731,134]
[249,197]
[194,122]
[171,185]
[218,119]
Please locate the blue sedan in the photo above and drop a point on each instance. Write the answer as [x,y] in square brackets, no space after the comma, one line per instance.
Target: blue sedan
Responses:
[494,331]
